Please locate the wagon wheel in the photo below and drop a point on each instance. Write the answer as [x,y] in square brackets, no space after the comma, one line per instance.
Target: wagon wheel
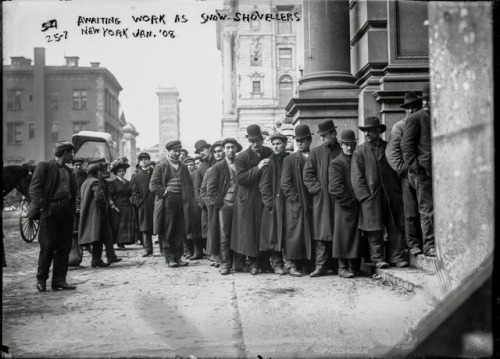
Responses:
[27,226]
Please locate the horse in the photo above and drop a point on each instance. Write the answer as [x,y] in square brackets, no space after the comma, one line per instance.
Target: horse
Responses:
[18,177]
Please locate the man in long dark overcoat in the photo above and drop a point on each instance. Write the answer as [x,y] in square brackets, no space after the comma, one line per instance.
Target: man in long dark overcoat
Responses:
[221,190]
[273,222]
[245,231]
[376,186]
[172,215]
[417,154]
[143,198]
[53,200]
[316,181]
[203,149]
[213,246]
[298,243]
[346,245]
[394,155]
[196,213]
[94,227]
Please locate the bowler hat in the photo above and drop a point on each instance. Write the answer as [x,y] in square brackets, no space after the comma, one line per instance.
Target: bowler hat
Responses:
[143,155]
[348,136]
[410,98]
[61,147]
[372,122]
[277,135]
[174,144]
[426,92]
[199,145]
[233,141]
[326,126]
[302,131]
[253,132]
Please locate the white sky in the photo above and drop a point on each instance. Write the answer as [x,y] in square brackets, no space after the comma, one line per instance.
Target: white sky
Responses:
[191,61]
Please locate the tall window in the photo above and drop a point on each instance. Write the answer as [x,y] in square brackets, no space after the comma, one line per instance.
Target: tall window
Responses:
[79,99]
[79,126]
[284,27]
[14,133]
[54,102]
[256,86]
[31,131]
[286,89]
[14,100]
[285,58]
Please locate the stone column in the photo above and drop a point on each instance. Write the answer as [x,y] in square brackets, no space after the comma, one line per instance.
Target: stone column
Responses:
[227,63]
[129,147]
[327,89]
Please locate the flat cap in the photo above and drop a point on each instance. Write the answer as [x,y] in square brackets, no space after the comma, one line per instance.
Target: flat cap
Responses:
[61,147]
[173,145]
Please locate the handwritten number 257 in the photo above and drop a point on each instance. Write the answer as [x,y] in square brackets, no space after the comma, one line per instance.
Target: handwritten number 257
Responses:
[57,37]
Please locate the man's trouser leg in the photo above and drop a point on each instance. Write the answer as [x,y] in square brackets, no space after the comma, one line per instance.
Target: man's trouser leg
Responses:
[321,250]
[413,234]
[376,245]
[277,260]
[97,252]
[64,241]
[161,240]
[423,186]
[107,239]
[225,222]
[147,242]
[174,218]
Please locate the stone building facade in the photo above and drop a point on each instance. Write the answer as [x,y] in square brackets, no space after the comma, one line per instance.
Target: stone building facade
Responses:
[360,57]
[261,61]
[45,104]
[169,116]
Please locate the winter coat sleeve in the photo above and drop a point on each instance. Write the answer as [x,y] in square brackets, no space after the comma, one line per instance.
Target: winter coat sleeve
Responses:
[287,184]
[336,185]
[358,181]
[311,181]
[203,188]
[198,182]
[155,185]
[245,176]
[37,185]
[136,192]
[213,194]
[99,197]
[409,143]
[265,187]
[393,151]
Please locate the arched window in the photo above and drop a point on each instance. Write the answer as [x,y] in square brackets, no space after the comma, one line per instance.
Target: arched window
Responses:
[285,90]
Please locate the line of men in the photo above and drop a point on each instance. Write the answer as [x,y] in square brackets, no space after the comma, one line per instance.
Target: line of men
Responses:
[264,210]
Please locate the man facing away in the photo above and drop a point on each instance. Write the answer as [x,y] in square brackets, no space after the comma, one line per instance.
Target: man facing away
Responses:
[273,222]
[316,181]
[395,159]
[297,243]
[377,188]
[172,216]
[417,154]
[53,200]
[245,231]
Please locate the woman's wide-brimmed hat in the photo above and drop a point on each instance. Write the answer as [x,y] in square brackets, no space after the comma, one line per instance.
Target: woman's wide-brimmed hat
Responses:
[119,163]
[372,122]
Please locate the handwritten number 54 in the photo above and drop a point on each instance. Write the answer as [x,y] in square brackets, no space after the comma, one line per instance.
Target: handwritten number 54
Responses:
[57,37]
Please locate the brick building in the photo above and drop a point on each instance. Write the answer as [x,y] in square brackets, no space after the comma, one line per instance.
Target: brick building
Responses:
[261,61]
[45,104]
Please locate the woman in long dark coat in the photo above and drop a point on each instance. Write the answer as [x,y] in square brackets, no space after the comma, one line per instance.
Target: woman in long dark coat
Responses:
[122,215]
[346,245]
